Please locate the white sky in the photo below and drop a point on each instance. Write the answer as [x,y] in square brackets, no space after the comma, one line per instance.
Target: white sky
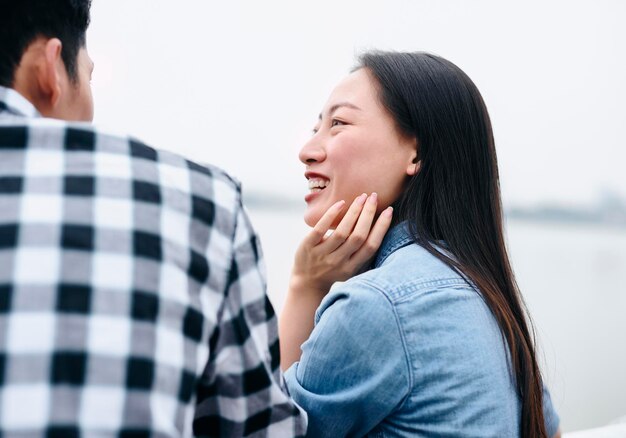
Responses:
[240,83]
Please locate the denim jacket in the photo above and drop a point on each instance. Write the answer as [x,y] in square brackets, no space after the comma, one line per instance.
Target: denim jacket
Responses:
[407,349]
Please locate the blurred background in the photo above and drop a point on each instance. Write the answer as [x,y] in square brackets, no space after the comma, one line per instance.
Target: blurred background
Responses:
[240,83]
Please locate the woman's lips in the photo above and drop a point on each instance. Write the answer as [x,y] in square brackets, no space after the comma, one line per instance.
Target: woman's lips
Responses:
[312,195]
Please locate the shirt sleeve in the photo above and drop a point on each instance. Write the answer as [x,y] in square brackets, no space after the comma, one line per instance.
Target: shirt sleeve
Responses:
[243,393]
[353,370]
[549,413]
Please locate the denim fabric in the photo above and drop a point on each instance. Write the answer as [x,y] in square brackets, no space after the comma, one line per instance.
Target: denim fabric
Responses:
[407,349]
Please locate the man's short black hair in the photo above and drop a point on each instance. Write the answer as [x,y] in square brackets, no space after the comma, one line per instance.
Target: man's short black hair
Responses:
[22,21]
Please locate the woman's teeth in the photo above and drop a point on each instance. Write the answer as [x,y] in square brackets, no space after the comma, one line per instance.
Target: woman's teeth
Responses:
[318,184]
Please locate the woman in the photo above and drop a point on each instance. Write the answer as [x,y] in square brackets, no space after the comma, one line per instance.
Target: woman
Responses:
[432,339]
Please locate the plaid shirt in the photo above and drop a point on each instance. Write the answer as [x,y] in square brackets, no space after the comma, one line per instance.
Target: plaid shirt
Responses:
[132,292]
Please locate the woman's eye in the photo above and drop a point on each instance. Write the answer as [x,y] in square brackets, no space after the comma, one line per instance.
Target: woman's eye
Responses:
[336,122]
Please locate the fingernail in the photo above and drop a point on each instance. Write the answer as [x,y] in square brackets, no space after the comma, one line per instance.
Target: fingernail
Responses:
[388,212]
[339,204]
[373,198]
[361,199]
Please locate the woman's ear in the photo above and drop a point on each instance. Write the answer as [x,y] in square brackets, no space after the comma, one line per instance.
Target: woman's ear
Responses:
[415,164]
[414,167]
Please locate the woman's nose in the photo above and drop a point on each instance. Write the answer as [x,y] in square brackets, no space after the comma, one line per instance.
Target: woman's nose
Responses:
[312,152]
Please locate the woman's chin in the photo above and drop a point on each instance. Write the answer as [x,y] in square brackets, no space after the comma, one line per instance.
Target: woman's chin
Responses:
[311,218]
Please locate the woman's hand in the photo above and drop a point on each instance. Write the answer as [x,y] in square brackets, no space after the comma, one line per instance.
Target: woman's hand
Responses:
[323,259]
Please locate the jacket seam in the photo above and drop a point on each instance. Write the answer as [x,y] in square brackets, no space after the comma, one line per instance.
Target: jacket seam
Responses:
[411,288]
[403,340]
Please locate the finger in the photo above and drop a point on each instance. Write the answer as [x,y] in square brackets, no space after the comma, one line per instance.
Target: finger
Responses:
[375,238]
[345,227]
[323,225]
[361,230]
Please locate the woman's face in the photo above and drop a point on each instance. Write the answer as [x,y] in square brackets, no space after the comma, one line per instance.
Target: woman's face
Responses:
[356,148]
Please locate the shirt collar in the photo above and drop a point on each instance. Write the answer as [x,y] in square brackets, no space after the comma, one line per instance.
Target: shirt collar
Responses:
[15,104]
[397,237]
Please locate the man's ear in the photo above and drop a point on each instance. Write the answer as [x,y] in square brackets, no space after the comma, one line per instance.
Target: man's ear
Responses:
[51,72]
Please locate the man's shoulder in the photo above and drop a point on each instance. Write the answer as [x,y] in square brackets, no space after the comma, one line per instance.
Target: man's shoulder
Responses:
[40,133]
[218,176]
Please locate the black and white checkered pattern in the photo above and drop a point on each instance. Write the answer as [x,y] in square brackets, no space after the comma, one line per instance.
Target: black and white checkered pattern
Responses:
[132,292]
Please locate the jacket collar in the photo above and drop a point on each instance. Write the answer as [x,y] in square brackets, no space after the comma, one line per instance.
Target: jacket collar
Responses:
[396,238]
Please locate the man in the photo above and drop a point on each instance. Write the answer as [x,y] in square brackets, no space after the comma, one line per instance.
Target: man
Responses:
[132,297]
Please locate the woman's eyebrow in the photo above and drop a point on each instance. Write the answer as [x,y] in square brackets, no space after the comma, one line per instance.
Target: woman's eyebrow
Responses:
[336,106]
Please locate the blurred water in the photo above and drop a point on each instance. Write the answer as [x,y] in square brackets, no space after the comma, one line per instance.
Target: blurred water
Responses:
[573,280]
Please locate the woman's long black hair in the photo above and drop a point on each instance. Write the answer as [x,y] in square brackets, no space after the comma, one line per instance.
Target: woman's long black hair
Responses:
[455,196]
